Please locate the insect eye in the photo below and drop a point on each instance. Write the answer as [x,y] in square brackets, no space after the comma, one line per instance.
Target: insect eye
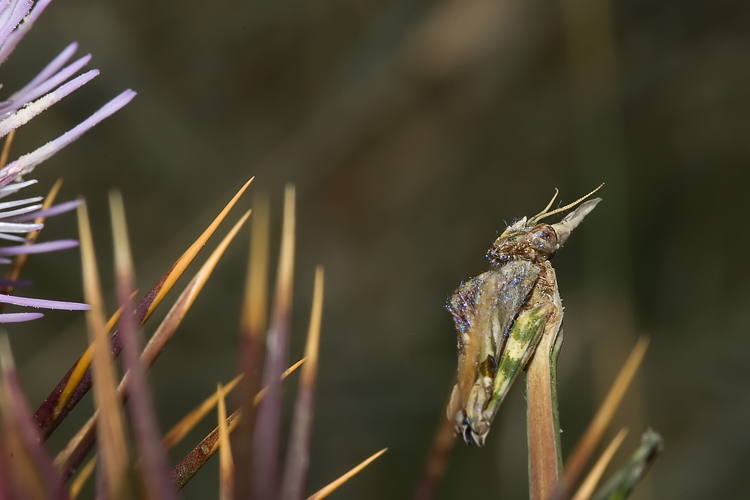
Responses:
[543,238]
[545,234]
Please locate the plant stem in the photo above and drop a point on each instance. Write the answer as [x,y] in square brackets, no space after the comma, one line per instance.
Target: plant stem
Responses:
[543,425]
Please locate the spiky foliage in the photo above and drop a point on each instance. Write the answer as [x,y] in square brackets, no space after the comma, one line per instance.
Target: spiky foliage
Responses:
[123,475]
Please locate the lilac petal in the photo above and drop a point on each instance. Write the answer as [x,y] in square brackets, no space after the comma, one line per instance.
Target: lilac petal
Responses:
[27,162]
[19,99]
[58,209]
[19,317]
[3,260]
[48,246]
[10,18]
[29,111]
[14,283]
[10,237]
[49,70]
[12,188]
[10,43]
[43,303]
[16,203]
[12,227]
[11,172]
[20,211]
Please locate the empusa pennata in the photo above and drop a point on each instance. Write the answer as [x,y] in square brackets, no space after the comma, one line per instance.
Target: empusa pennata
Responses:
[501,314]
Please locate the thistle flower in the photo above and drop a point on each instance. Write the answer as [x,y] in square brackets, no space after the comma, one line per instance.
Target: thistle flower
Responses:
[31,473]
[48,87]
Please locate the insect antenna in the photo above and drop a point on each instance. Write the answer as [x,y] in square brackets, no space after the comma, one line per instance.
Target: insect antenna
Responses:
[549,205]
[544,213]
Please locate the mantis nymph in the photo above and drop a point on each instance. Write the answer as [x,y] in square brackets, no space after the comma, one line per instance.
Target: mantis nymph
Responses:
[501,314]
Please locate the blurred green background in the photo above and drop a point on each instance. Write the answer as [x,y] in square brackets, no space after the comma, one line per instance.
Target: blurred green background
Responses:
[414,132]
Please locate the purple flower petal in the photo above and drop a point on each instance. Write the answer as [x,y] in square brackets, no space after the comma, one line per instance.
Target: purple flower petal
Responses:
[43,303]
[27,162]
[58,209]
[19,317]
[13,227]
[19,99]
[48,246]
[12,188]
[10,19]
[20,211]
[29,111]
[11,237]
[16,203]
[10,43]
[49,70]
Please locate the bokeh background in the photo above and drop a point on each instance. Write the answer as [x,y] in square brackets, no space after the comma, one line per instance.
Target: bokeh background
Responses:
[414,131]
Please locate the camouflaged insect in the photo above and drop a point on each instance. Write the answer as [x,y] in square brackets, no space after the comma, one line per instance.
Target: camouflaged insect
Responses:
[500,315]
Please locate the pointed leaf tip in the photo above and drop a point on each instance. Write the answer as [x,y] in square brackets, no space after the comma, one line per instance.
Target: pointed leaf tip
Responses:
[327,490]
[170,278]
[186,299]
[595,475]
